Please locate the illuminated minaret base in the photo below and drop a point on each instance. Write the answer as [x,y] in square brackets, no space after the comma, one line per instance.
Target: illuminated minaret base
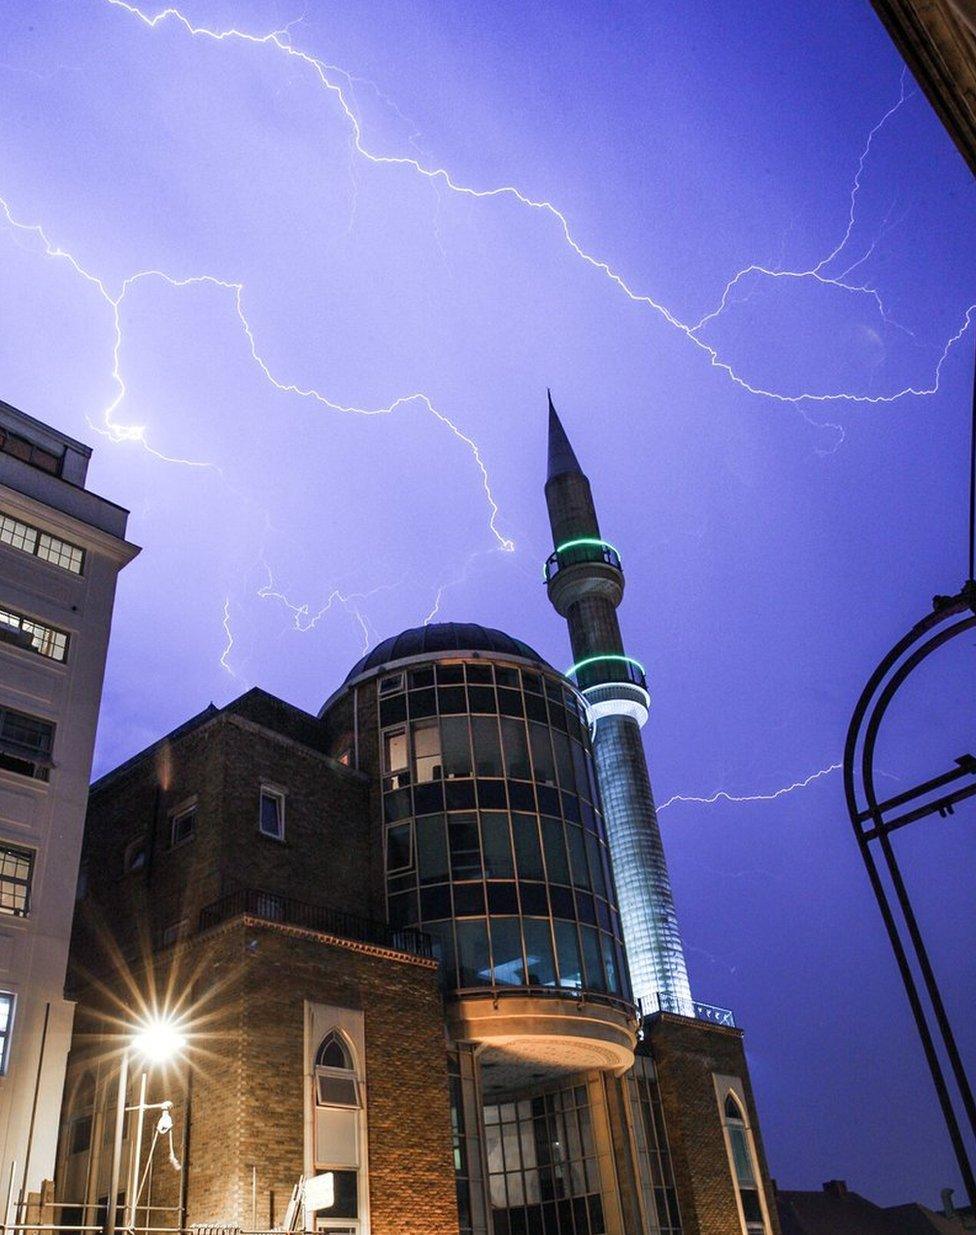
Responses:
[586,584]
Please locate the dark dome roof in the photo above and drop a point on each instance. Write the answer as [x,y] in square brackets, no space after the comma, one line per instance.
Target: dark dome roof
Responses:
[443,637]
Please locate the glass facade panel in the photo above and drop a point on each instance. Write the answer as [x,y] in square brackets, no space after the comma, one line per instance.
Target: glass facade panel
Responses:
[487,748]
[426,751]
[506,952]
[516,749]
[511,896]
[538,952]
[542,761]
[474,966]
[455,747]
[542,1166]
[497,842]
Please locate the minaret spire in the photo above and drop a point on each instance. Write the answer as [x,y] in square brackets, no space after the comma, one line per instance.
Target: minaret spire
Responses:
[562,457]
[586,584]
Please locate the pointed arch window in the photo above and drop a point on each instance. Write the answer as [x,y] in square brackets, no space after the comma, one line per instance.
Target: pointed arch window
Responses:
[743,1165]
[336,1082]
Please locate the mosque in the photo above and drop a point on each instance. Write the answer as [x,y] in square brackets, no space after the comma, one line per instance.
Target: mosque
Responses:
[421,950]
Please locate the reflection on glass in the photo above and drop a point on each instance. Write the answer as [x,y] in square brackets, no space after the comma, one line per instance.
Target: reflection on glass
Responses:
[506,952]
[487,749]
[497,846]
[472,952]
[456,752]
[431,849]
[545,768]
[538,952]
[567,950]
[516,749]
[527,851]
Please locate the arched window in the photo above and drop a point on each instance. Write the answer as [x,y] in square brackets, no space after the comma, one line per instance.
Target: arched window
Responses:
[336,1083]
[743,1165]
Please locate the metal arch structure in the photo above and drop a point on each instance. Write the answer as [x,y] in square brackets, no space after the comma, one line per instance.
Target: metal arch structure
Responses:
[874,820]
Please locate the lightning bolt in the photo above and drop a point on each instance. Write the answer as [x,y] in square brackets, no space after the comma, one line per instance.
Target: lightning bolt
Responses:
[815,272]
[304,620]
[224,664]
[117,432]
[722,796]
[691,331]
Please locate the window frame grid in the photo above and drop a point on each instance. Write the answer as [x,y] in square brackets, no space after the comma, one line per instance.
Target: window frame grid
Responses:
[20,853]
[57,551]
[41,631]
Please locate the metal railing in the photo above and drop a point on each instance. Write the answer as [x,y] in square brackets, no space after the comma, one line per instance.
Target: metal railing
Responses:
[271,907]
[702,1011]
[604,670]
[580,553]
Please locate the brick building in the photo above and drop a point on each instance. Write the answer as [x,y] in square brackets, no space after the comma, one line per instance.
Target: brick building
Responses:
[399,938]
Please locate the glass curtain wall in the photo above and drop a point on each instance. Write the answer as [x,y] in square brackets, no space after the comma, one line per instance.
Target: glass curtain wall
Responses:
[543,1174]
[494,841]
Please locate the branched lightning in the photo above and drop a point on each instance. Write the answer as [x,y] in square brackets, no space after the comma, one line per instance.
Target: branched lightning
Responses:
[304,620]
[127,433]
[282,44]
[816,273]
[722,795]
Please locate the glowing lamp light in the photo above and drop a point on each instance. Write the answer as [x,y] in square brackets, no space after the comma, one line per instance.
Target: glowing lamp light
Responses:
[159,1041]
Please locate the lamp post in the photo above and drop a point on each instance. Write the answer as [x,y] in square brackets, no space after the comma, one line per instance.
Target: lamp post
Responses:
[157,1041]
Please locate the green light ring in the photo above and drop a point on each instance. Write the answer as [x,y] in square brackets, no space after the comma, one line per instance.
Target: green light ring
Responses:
[590,660]
[571,544]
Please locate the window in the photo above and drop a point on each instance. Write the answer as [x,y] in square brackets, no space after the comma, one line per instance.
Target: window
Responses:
[395,750]
[6,1023]
[35,636]
[41,544]
[25,744]
[271,816]
[16,870]
[399,848]
[36,456]
[80,1134]
[426,751]
[743,1169]
[335,1079]
[183,824]
[135,855]
[390,685]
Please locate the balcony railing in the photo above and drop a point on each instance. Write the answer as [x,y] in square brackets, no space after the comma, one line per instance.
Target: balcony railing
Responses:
[703,1011]
[601,670]
[580,553]
[271,907]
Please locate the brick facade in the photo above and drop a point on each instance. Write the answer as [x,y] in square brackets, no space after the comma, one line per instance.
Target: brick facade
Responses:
[687,1056]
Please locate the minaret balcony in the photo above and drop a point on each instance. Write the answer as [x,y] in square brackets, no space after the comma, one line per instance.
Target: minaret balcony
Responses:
[602,670]
[579,553]
[583,567]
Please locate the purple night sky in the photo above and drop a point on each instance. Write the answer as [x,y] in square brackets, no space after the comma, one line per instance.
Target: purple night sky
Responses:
[774,550]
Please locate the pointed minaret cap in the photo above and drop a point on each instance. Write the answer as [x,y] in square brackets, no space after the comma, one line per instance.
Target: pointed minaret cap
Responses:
[562,458]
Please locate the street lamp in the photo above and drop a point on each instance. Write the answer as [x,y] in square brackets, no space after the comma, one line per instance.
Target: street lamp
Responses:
[157,1041]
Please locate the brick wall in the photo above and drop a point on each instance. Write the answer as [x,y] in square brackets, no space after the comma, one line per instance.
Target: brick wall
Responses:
[687,1054]
[245,986]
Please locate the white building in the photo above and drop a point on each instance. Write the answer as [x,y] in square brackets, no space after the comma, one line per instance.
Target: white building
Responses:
[61,548]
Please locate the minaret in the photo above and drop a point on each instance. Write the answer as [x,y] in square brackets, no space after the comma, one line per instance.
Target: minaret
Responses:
[586,584]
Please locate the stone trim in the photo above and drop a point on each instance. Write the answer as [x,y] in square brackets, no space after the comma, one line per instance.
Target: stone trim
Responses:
[303,932]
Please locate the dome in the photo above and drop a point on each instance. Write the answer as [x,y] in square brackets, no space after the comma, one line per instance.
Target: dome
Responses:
[443,637]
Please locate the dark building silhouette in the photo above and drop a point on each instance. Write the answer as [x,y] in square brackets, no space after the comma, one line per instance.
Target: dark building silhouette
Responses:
[399,934]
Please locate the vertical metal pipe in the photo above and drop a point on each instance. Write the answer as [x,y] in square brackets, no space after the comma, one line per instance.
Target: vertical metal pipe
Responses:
[37,1091]
[10,1193]
[111,1208]
[132,1199]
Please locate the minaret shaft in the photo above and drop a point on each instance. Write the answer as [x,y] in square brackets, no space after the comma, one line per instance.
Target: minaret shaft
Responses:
[586,585]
